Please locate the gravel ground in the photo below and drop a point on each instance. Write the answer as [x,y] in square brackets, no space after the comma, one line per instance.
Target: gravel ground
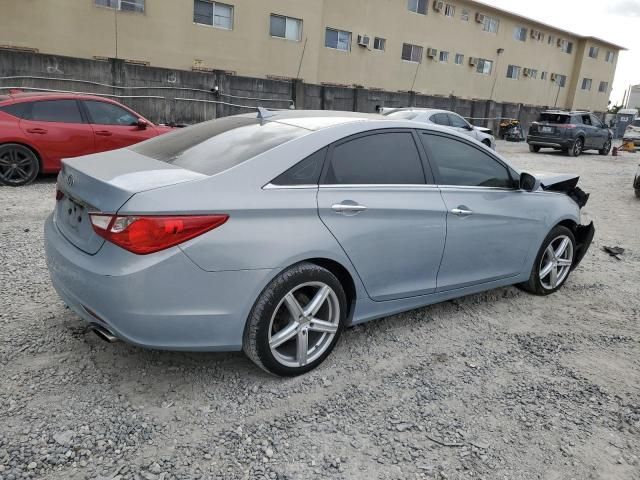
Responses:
[501,385]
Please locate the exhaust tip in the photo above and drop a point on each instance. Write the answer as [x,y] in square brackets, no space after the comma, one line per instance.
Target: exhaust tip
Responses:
[103,333]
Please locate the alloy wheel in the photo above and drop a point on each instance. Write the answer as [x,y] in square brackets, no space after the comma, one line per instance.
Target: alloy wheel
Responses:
[556,262]
[17,165]
[304,324]
[577,147]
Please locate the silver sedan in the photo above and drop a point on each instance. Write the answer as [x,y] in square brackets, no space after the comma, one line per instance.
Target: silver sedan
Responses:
[271,234]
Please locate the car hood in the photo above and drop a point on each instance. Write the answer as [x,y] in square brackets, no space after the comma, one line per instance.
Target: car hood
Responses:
[563,183]
[486,130]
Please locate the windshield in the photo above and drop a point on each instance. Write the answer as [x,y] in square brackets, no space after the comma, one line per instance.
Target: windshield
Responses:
[554,118]
[217,145]
[403,115]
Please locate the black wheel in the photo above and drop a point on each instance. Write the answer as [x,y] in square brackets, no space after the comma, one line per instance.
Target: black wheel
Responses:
[534,148]
[606,148]
[296,321]
[553,262]
[577,147]
[18,165]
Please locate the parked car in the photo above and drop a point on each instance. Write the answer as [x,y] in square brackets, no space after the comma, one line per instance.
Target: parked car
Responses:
[37,130]
[636,183]
[273,234]
[632,133]
[445,119]
[571,132]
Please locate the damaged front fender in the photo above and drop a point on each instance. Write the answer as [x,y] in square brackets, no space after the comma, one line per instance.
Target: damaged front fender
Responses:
[564,183]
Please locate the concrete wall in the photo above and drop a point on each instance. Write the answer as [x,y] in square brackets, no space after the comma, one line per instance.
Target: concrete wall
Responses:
[186,97]
[165,35]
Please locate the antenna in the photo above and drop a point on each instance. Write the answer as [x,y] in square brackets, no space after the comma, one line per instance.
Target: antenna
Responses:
[263,113]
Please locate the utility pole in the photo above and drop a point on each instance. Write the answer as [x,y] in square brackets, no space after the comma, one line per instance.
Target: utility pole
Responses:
[500,51]
[115,20]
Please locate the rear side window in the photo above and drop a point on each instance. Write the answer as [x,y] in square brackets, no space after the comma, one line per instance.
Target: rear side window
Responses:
[217,145]
[379,159]
[103,113]
[460,164]
[64,111]
[554,118]
[19,110]
[306,172]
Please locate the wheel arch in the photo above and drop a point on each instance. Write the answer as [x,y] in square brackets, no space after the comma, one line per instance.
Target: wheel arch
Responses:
[345,278]
[30,147]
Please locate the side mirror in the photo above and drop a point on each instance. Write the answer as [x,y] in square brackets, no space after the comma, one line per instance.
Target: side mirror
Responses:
[469,127]
[528,182]
[142,123]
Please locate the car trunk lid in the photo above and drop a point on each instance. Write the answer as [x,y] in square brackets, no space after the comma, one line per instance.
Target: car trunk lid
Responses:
[103,183]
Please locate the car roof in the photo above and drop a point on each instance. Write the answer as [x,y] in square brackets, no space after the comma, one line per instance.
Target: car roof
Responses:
[565,112]
[24,96]
[314,120]
[418,109]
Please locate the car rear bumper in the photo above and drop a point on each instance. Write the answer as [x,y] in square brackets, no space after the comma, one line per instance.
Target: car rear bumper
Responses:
[161,301]
[584,236]
[551,142]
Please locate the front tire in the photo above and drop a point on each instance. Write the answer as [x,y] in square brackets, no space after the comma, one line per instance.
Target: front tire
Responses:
[576,149]
[296,321]
[553,262]
[19,165]
[534,148]
[606,148]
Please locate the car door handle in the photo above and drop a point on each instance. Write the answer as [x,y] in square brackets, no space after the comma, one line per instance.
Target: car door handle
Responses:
[348,208]
[104,133]
[39,131]
[462,211]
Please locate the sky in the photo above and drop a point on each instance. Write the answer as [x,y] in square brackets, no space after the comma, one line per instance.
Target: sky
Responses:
[617,21]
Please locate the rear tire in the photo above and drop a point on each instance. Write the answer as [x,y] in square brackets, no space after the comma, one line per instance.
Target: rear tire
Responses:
[19,165]
[576,149]
[534,148]
[606,148]
[551,270]
[296,321]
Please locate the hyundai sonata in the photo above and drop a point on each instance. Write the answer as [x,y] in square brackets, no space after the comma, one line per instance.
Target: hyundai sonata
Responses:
[271,234]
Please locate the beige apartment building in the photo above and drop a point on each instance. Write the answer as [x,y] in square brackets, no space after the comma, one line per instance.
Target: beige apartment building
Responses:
[458,47]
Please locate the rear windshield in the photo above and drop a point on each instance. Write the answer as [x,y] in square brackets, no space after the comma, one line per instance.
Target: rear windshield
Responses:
[403,115]
[218,145]
[554,118]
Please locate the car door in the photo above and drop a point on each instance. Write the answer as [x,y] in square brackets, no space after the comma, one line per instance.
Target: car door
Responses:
[114,126]
[460,125]
[601,132]
[389,220]
[591,132]
[57,129]
[489,228]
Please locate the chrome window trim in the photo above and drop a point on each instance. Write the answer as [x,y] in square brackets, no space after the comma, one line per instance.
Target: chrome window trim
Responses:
[413,186]
[471,187]
[272,186]
[362,186]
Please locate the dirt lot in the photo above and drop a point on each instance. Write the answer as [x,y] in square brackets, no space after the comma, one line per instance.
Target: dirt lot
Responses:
[502,385]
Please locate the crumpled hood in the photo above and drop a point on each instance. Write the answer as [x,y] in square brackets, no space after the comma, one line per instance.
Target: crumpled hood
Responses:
[563,183]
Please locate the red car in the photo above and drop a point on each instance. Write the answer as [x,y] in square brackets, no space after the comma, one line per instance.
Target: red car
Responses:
[38,130]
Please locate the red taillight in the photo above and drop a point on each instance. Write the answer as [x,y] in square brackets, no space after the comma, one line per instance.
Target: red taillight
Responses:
[142,234]
[59,195]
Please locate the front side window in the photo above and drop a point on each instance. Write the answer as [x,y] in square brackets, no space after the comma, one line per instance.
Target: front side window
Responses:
[459,59]
[484,66]
[457,121]
[285,27]
[490,24]
[379,159]
[417,6]
[593,52]
[338,39]
[103,113]
[459,164]
[513,71]
[604,87]
[125,5]
[213,13]
[64,111]
[444,56]
[595,121]
[411,53]
[586,83]
[520,34]
[379,43]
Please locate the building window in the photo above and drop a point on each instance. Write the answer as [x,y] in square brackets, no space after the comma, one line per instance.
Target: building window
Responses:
[586,83]
[411,53]
[286,27]
[417,6]
[566,47]
[125,5]
[449,10]
[543,76]
[531,73]
[444,56]
[593,52]
[604,87]
[338,39]
[464,16]
[459,59]
[611,57]
[520,33]
[560,80]
[484,66]
[379,44]
[490,24]
[513,71]
[215,14]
